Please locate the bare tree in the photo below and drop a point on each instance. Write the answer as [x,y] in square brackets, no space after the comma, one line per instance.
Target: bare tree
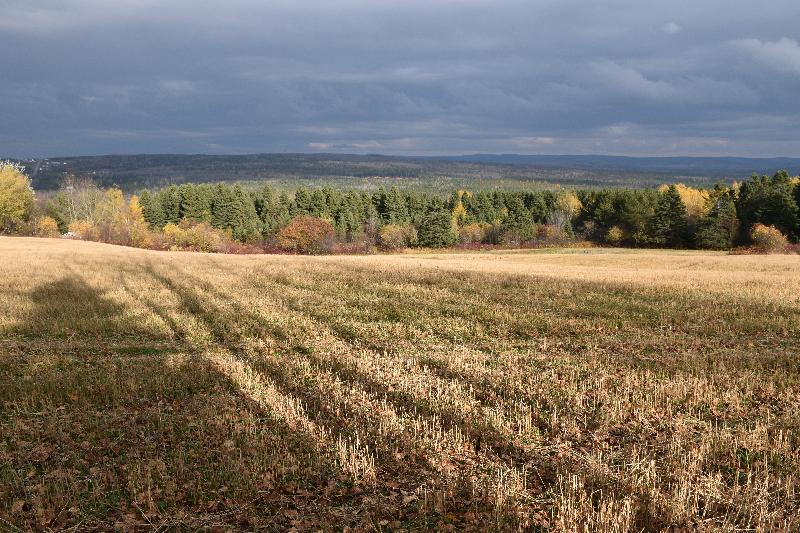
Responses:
[82,195]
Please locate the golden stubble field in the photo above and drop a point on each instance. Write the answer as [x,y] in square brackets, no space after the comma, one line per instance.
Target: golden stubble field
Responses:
[583,390]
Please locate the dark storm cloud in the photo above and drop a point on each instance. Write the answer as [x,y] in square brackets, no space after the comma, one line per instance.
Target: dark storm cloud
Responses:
[421,77]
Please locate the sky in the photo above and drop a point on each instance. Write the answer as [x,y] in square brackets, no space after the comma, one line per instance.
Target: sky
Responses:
[406,77]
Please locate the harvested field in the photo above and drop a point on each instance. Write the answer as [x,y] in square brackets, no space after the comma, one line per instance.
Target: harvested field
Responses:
[574,390]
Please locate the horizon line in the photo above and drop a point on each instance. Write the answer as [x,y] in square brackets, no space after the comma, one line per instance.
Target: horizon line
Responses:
[410,156]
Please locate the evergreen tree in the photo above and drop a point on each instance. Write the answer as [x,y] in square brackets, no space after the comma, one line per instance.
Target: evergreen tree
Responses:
[602,209]
[272,210]
[417,207]
[233,209]
[345,224]
[264,199]
[244,219]
[797,197]
[518,222]
[171,204]
[435,229]
[669,224]
[350,217]
[769,201]
[540,205]
[636,210]
[151,210]
[58,208]
[195,204]
[221,207]
[302,202]
[630,211]
[719,229]
[395,209]
[638,216]
[319,204]
[481,208]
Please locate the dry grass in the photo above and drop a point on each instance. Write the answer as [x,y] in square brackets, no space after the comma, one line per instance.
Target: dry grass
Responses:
[575,391]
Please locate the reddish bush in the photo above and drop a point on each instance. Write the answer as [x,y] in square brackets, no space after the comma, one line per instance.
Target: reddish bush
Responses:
[363,246]
[551,234]
[307,235]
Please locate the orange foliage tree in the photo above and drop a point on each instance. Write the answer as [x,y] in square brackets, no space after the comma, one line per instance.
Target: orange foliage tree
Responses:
[307,235]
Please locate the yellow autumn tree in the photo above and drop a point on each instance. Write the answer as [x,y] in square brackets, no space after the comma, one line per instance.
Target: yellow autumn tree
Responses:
[131,225]
[695,200]
[16,196]
[569,203]
[459,213]
[115,220]
[107,214]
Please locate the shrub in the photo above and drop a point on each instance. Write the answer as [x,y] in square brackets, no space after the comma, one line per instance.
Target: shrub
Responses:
[46,227]
[494,234]
[615,236]
[174,235]
[588,230]
[190,235]
[85,230]
[516,234]
[395,236]
[768,239]
[552,234]
[204,238]
[472,233]
[307,235]
[362,246]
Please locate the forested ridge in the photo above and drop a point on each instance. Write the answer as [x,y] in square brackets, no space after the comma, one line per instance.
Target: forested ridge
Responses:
[368,172]
[762,211]
[672,216]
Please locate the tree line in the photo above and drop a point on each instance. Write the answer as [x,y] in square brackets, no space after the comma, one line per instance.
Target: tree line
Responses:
[215,216]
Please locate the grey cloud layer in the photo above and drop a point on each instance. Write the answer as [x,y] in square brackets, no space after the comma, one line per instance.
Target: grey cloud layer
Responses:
[421,77]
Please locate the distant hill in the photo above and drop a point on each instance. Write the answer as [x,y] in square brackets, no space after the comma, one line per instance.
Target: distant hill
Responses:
[480,171]
[736,167]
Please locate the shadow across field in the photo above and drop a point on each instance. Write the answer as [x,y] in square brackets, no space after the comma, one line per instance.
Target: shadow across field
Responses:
[199,449]
[657,322]
[70,307]
[134,430]
[234,327]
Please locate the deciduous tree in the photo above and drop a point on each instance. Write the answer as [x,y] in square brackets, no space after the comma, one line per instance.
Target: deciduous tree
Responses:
[16,197]
[307,235]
